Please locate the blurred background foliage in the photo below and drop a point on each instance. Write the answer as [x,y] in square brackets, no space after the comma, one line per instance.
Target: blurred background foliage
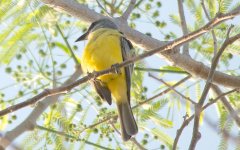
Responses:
[37,51]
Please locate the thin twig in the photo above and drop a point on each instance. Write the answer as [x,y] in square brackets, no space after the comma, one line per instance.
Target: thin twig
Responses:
[213,33]
[133,140]
[196,135]
[227,105]
[71,136]
[68,45]
[186,121]
[226,134]
[140,147]
[128,11]
[171,45]
[99,122]
[160,70]
[162,81]
[179,131]
[141,103]
[30,122]
[178,42]
[100,5]
[198,69]
[183,25]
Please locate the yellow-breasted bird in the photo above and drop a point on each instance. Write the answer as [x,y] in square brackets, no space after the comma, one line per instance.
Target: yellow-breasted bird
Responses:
[107,47]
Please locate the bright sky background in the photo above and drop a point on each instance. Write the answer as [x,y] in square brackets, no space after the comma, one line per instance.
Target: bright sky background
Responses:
[210,138]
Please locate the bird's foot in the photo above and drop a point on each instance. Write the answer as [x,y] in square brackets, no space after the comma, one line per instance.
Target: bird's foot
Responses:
[92,75]
[116,68]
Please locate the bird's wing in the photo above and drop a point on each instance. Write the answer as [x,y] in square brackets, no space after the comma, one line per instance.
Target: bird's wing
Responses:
[102,91]
[127,47]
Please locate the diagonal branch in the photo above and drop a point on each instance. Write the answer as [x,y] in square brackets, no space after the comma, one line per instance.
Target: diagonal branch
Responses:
[133,139]
[195,68]
[128,11]
[213,33]
[183,96]
[187,121]
[228,106]
[183,25]
[30,122]
[139,104]
[227,135]
[72,137]
[64,89]
[196,134]
[100,5]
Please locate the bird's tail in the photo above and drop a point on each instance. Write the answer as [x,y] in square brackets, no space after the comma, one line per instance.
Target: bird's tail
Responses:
[127,121]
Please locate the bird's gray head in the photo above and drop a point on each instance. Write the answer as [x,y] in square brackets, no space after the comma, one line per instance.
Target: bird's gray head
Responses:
[102,23]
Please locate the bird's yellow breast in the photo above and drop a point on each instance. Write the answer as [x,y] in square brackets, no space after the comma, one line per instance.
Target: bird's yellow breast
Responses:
[102,51]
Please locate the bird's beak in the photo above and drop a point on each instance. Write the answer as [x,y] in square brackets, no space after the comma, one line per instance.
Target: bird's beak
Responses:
[82,37]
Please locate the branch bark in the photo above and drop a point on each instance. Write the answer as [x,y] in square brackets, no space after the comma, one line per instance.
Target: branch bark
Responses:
[169,86]
[188,120]
[129,9]
[183,25]
[196,134]
[171,45]
[197,69]
[213,33]
[227,105]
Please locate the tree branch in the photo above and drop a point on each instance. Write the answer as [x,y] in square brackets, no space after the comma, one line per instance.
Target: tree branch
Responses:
[30,122]
[213,33]
[196,134]
[227,105]
[139,104]
[226,134]
[133,139]
[72,137]
[128,11]
[171,45]
[183,25]
[183,96]
[99,5]
[186,121]
[197,69]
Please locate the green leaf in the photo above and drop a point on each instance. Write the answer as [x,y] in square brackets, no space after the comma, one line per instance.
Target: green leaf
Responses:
[66,50]
[161,136]
[161,121]
[63,47]
[175,19]
[172,68]
[224,5]
[212,7]
[10,48]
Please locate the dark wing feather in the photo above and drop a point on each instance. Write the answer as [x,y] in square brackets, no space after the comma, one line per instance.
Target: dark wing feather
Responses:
[102,91]
[127,53]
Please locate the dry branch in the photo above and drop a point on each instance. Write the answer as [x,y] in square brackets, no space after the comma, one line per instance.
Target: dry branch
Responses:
[183,25]
[129,9]
[30,122]
[188,119]
[228,106]
[197,69]
[196,134]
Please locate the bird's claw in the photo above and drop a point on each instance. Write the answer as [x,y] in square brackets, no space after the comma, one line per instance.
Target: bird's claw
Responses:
[93,74]
[116,68]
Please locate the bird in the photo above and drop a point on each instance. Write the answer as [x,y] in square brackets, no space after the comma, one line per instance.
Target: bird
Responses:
[107,47]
